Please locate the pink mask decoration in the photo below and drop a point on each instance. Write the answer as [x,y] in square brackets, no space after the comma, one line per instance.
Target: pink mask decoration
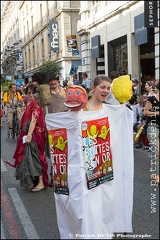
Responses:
[76,97]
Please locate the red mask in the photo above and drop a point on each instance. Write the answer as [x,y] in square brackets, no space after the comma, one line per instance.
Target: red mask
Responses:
[76,97]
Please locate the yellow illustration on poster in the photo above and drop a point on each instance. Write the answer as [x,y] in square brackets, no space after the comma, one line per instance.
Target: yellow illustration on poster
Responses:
[58,145]
[96,151]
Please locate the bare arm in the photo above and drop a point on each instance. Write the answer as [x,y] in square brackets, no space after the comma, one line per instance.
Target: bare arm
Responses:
[147,111]
[31,129]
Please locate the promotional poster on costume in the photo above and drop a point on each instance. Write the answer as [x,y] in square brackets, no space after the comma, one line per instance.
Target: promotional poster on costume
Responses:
[96,151]
[75,211]
[58,145]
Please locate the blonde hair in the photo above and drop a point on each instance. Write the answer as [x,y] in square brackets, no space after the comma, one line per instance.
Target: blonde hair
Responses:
[150,83]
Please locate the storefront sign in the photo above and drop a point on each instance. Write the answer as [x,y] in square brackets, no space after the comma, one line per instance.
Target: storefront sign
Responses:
[19,56]
[75,52]
[72,43]
[83,61]
[20,76]
[95,41]
[19,82]
[54,41]
[150,14]
[141,32]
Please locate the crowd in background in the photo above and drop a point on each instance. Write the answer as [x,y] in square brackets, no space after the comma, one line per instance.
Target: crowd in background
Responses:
[139,104]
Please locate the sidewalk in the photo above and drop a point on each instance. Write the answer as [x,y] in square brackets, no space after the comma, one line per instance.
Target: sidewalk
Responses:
[140,150]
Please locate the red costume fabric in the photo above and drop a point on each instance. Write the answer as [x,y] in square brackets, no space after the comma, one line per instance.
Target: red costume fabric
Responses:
[38,136]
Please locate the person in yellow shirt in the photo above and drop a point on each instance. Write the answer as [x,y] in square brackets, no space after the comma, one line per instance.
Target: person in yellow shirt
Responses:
[12,99]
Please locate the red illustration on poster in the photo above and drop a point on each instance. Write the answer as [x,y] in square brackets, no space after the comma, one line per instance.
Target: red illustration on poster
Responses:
[58,145]
[96,151]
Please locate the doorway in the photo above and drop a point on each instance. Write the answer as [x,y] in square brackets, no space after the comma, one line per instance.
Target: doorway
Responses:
[147,61]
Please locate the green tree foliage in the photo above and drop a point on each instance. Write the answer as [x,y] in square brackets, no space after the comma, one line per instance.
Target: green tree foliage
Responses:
[3,79]
[47,68]
[5,86]
[50,66]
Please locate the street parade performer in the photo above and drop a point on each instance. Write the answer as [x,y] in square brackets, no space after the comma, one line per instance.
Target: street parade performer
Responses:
[30,161]
[92,159]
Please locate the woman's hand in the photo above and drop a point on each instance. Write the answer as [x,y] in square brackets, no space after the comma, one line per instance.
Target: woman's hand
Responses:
[31,129]
[139,126]
[28,139]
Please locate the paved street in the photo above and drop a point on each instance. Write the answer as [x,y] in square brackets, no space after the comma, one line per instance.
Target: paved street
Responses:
[27,215]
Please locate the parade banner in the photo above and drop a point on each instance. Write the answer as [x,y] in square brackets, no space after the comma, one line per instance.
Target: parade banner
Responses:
[108,205]
[59,157]
[96,47]
[96,152]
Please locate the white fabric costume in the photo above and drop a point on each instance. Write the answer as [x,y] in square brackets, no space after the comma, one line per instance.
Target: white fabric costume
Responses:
[107,208]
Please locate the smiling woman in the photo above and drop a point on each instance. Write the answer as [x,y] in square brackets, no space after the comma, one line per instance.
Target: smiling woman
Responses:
[100,90]
[30,161]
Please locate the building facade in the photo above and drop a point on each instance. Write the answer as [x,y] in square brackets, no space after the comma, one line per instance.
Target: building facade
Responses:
[11,57]
[44,22]
[111,39]
[92,36]
[39,24]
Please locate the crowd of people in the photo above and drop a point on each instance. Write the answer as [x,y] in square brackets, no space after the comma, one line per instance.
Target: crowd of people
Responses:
[32,160]
[33,129]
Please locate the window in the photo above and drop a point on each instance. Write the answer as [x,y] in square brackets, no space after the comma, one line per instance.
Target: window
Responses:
[41,11]
[14,38]
[94,2]
[25,59]
[29,57]
[121,58]
[117,55]
[24,31]
[32,24]
[33,55]
[42,47]
[28,28]
[47,9]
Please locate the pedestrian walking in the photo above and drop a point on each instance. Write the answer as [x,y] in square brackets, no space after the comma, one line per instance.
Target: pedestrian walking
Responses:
[30,161]
[58,96]
[75,79]
[86,83]
[2,114]
[11,100]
